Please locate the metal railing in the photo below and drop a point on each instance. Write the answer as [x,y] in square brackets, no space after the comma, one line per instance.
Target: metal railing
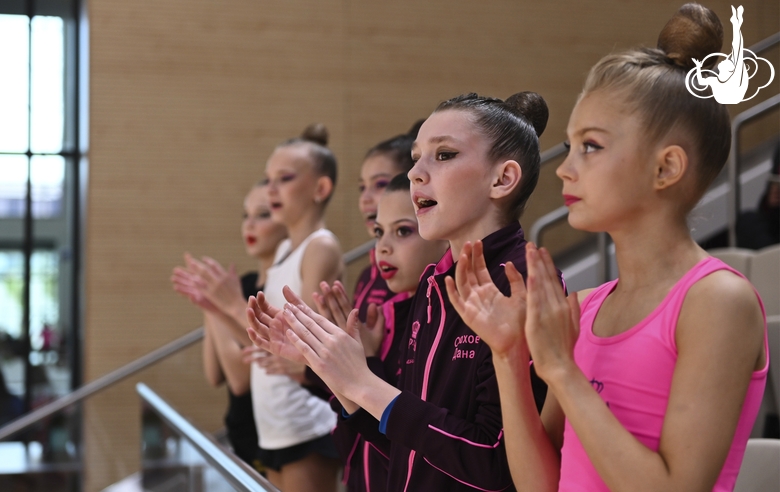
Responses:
[240,475]
[100,383]
[113,377]
[734,162]
[561,213]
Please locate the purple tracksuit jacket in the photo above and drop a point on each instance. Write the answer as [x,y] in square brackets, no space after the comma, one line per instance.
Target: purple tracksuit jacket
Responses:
[371,288]
[366,465]
[444,432]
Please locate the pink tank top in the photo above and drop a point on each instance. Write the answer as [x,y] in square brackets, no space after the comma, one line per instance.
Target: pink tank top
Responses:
[632,372]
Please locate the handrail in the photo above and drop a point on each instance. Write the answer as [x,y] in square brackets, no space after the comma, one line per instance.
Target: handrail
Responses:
[356,253]
[240,475]
[734,163]
[101,383]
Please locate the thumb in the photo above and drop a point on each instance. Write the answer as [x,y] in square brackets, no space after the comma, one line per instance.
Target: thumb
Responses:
[371,314]
[353,325]
[380,320]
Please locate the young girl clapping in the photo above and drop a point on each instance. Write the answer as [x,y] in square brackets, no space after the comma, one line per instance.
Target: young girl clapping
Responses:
[477,162]
[654,379]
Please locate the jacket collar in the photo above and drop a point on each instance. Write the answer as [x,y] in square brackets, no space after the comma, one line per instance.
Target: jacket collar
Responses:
[493,244]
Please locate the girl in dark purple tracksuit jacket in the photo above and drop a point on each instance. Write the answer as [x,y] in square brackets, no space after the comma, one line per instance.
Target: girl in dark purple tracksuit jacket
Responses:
[477,162]
[401,257]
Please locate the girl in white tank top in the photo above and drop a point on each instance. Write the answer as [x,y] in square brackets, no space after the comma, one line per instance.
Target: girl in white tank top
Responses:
[294,425]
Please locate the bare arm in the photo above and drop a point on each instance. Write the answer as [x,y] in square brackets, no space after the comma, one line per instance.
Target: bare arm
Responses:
[719,342]
[211,367]
[321,263]
[229,352]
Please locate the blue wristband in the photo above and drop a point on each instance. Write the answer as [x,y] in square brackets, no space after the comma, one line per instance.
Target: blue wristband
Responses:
[386,416]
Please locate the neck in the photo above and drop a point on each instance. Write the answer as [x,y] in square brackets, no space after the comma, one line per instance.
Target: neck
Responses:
[480,230]
[303,227]
[654,251]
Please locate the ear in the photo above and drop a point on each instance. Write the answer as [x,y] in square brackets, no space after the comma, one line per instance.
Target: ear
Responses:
[671,166]
[506,178]
[324,189]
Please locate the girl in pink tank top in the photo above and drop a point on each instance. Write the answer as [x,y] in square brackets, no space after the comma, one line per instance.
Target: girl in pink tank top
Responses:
[654,381]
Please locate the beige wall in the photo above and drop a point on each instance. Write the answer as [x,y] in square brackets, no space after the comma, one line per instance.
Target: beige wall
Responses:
[188,97]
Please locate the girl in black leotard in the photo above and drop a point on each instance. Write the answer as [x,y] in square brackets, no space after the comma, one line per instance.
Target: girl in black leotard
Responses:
[217,292]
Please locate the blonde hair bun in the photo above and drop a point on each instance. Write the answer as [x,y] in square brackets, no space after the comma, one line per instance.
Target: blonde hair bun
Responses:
[693,32]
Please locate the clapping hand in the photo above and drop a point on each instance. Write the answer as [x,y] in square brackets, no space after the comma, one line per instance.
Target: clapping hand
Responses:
[496,318]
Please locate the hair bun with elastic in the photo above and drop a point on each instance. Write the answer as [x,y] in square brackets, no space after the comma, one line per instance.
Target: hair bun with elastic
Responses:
[532,107]
[316,133]
[693,32]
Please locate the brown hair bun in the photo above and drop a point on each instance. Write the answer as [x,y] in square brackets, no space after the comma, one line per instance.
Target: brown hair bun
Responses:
[693,32]
[316,133]
[532,107]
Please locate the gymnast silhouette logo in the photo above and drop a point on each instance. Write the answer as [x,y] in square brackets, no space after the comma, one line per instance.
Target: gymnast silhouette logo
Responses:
[730,84]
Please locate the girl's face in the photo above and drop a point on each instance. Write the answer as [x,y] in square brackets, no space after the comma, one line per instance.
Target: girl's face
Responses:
[261,234]
[451,177]
[376,173]
[608,173]
[293,186]
[401,254]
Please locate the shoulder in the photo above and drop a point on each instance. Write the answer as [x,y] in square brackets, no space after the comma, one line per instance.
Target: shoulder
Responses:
[721,308]
[322,253]
[723,291]
[323,244]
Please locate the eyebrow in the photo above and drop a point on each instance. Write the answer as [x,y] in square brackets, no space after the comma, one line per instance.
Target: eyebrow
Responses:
[377,176]
[402,220]
[435,140]
[591,129]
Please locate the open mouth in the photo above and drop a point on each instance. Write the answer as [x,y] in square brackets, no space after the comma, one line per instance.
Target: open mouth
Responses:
[371,217]
[251,240]
[386,270]
[275,205]
[424,203]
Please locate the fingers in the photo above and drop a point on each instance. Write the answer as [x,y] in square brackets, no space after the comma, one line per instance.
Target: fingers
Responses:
[574,309]
[516,282]
[371,314]
[291,296]
[322,307]
[342,297]
[546,257]
[480,268]
[257,340]
[307,330]
[353,325]
[252,353]
[455,296]
[464,279]
[265,306]
[308,353]
[339,315]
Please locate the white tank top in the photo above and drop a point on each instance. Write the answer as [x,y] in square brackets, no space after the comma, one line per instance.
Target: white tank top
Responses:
[287,414]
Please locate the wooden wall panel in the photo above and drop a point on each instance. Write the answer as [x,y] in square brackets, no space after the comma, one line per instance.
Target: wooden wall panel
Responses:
[189,97]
